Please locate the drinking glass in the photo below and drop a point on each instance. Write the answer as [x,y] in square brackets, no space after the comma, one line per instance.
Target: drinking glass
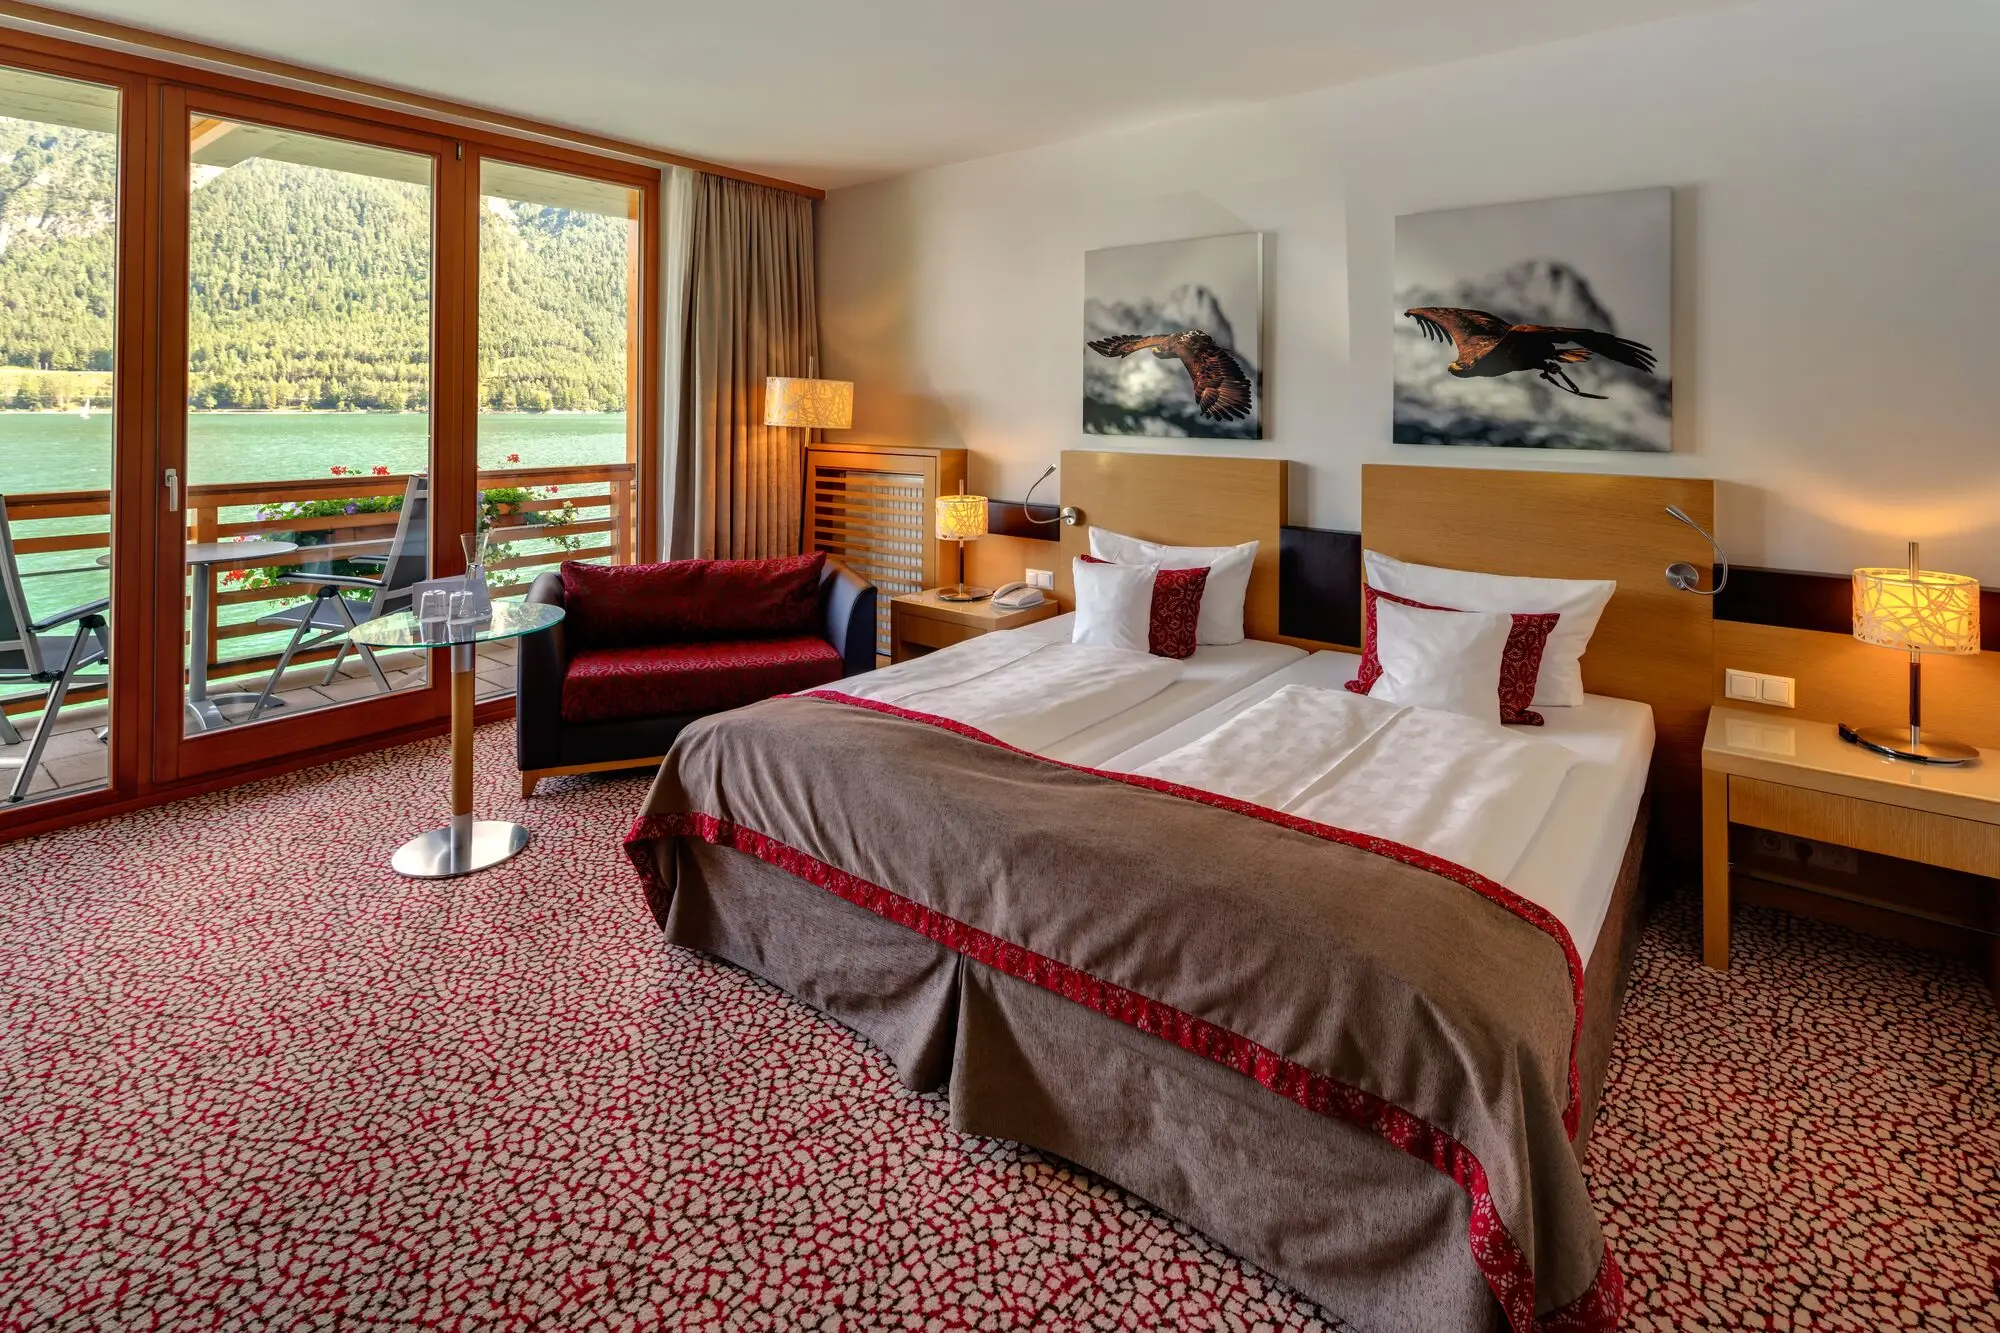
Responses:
[431,604]
[464,608]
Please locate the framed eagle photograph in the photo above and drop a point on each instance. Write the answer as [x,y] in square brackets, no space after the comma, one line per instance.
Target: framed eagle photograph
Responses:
[1173,339]
[1544,325]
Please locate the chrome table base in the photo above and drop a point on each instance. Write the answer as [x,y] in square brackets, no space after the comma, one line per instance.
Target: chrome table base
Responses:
[461,847]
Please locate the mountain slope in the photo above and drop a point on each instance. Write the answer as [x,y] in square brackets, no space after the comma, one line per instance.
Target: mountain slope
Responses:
[309,287]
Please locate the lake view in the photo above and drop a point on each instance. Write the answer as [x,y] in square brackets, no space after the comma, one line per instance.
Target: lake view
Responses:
[61,451]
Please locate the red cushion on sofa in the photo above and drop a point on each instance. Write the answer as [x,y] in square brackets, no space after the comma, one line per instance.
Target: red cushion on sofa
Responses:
[685,601]
[611,684]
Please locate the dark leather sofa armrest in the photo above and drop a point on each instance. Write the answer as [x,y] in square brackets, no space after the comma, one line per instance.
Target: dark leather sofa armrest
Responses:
[540,661]
[849,604]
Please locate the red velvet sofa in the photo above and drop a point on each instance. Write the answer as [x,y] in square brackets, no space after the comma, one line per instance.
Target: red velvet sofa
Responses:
[646,649]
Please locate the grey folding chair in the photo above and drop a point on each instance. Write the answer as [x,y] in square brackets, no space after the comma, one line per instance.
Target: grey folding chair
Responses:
[31,654]
[330,613]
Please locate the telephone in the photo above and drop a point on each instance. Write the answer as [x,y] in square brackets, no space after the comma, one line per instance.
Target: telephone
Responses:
[1017,596]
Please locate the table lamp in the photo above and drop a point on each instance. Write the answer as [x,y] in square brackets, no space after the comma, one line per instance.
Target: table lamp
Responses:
[961,518]
[1925,612]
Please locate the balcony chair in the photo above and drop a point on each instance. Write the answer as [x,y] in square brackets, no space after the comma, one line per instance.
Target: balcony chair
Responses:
[30,654]
[330,614]
[646,649]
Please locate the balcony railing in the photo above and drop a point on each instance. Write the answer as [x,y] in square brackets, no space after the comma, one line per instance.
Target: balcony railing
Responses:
[603,527]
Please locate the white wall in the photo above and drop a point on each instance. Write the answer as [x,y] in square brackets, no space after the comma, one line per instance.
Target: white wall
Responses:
[1837,269]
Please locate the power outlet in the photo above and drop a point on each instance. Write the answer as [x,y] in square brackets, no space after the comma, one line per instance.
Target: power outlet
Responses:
[1829,856]
[1041,578]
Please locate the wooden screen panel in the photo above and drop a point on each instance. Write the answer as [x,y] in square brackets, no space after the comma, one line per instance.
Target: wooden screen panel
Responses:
[1654,643]
[1181,500]
[872,508]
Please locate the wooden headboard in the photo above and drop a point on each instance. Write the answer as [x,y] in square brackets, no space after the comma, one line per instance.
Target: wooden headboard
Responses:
[1181,500]
[1654,643]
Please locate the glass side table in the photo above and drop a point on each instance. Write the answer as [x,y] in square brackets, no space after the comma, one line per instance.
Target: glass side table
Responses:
[466,844]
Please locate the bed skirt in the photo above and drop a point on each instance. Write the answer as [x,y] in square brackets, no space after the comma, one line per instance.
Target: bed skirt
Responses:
[1369,1232]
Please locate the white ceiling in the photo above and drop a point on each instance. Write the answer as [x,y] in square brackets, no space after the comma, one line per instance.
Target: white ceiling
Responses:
[830,92]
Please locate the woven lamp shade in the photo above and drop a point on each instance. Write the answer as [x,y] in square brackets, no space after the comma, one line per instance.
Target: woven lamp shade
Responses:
[813,404]
[961,518]
[1917,609]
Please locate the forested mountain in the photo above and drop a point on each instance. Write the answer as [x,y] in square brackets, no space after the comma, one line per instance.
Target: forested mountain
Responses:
[310,287]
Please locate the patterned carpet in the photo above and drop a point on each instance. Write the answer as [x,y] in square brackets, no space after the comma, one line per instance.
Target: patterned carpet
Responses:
[253,1079]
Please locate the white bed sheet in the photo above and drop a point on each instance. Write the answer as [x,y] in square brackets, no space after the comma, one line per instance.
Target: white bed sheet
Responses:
[1059,710]
[1571,865]
[1213,673]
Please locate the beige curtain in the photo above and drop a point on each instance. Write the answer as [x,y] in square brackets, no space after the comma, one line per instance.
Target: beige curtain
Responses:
[749,313]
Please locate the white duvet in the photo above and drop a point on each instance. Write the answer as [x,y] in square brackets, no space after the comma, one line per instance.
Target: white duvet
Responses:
[1453,786]
[1026,691]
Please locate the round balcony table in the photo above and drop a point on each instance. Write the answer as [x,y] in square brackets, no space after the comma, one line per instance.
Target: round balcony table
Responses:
[466,844]
[202,710]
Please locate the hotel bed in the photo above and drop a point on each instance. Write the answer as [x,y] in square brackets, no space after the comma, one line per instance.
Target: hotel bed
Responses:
[1085,726]
[1123,970]
[1571,864]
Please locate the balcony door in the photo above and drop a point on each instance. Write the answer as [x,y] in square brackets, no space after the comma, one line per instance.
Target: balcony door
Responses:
[559,421]
[61,227]
[305,424]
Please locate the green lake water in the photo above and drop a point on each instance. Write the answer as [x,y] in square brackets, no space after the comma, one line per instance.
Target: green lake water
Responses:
[60,451]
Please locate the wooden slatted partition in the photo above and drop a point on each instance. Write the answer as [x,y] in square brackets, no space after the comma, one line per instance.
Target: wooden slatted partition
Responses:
[871,505]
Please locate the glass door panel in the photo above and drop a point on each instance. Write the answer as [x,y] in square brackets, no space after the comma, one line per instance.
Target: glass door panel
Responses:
[309,331]
[557,425]
[59,147]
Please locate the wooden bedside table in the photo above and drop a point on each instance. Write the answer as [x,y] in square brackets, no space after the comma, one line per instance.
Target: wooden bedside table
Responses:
[1800,778]
[923,622]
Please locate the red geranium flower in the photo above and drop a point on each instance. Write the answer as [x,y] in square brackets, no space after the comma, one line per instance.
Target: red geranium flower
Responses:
[337,470]
[513,458]
[380,469]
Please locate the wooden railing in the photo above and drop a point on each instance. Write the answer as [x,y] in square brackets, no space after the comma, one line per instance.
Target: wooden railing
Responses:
[601,495]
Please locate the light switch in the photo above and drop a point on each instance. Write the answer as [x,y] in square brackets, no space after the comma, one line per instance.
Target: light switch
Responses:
[1777,690]
[1041,578]
[1742,685]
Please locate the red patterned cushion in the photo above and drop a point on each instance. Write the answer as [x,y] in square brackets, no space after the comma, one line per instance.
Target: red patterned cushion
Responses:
[1520,661]
[685,601]
[1176,609]
[611,684]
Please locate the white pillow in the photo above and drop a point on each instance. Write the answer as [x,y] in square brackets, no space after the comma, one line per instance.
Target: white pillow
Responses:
[1114,604]
[1448,660]
[1221,619]
[1579,603]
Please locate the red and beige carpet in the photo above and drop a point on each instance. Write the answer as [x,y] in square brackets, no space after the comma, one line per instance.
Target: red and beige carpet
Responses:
[252,1079]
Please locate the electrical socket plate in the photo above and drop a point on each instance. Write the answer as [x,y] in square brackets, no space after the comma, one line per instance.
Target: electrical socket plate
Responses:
[1828,856]
[1041,578]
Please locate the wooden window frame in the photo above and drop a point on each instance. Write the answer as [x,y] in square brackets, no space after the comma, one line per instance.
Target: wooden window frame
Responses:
[150,761]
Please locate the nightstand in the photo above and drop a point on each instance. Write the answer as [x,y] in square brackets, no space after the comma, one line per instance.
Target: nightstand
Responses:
[1799,778]
[923,622]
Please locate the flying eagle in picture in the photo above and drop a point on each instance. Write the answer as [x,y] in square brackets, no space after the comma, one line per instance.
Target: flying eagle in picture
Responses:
[1488,345]
[1221,389]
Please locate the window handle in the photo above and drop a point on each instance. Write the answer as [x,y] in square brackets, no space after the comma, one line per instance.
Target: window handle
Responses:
[172,481]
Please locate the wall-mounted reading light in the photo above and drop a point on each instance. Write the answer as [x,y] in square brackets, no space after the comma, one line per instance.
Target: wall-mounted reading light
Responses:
[1068,515]
[1685,576]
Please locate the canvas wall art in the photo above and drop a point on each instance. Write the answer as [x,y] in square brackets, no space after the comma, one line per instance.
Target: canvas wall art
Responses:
[1173,339]
[1545,325]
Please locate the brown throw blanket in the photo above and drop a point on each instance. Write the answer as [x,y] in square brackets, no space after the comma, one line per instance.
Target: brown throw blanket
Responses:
[1363,980]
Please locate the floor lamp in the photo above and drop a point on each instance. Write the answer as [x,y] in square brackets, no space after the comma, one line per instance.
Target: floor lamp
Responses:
[809,405]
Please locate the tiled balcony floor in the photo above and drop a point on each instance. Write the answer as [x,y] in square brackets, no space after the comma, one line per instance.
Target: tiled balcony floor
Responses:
[76,760]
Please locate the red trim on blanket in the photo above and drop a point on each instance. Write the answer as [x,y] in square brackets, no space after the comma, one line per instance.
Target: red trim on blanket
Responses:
[1531,912]
[1500,1259]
